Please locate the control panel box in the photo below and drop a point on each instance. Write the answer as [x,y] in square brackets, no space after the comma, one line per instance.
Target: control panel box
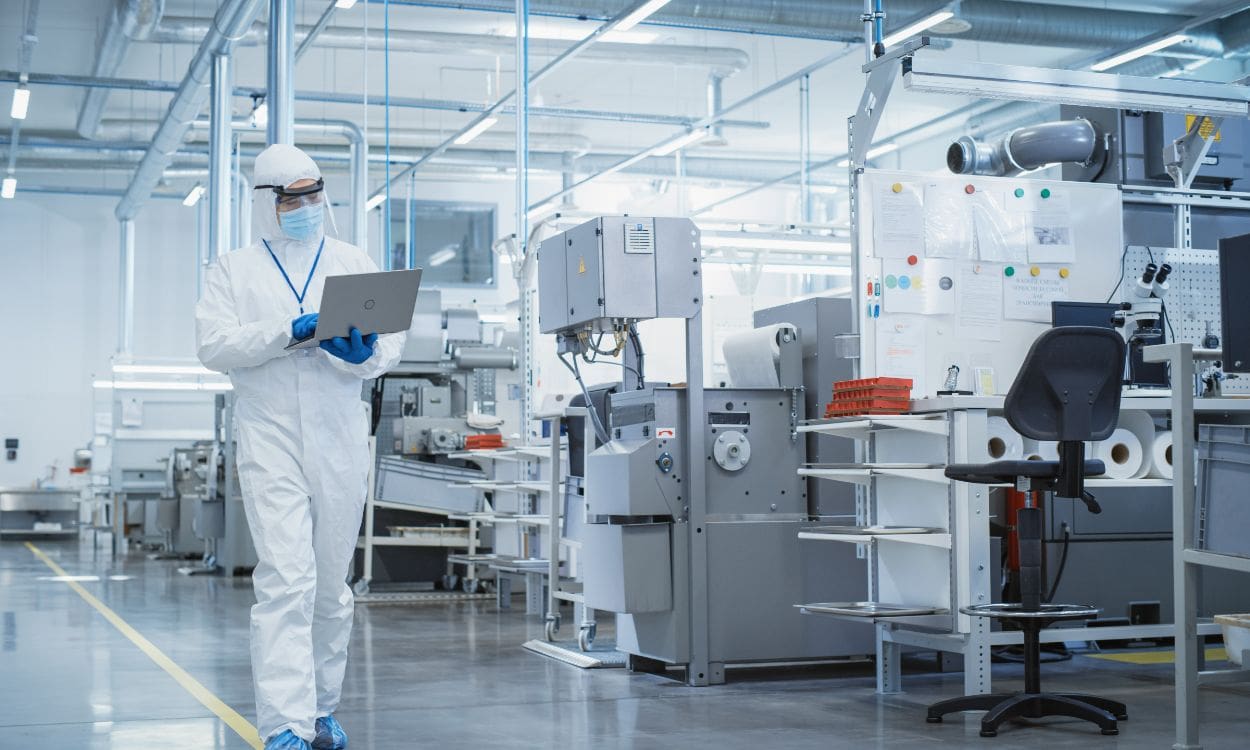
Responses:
[617,268]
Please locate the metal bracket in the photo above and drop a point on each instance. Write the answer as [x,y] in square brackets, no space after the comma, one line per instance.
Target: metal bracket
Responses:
[1184,156]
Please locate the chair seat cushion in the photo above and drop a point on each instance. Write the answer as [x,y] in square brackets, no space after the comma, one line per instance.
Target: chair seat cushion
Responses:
[999,472]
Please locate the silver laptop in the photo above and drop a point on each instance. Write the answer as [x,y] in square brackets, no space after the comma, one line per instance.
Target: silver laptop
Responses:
[370,302]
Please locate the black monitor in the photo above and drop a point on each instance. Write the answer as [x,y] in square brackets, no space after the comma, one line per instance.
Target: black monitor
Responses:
[1235,303]
[1096,314]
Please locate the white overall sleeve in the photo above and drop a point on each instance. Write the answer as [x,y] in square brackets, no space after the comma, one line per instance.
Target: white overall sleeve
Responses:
[222,342]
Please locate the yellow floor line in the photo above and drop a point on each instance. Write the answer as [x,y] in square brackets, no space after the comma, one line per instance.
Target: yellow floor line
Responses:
[232,718]
[1155,657]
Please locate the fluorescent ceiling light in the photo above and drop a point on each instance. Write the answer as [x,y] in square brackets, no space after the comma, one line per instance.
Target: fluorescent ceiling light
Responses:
[158,385]
[375,201]
[680,142]
[795,242]
[476,130]
[556,29]
[442,256]
[1136,52]
[807,268]
[344,4]
[21,103]
[640,15]
[193,196]
[910,30]
[873,153]
[162,370]
[8,188]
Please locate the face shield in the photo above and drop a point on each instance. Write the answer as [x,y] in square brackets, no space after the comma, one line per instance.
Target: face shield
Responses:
[279,172]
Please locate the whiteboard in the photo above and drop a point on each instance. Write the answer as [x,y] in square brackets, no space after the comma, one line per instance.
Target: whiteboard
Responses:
[976,229]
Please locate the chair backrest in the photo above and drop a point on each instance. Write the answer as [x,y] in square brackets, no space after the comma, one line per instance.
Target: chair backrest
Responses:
[1068,388]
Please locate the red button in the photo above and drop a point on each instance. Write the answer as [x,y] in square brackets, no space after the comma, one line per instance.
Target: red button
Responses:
[969,189]
[912,260]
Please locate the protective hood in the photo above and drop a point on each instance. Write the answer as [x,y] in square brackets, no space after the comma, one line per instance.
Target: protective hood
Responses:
[281,164]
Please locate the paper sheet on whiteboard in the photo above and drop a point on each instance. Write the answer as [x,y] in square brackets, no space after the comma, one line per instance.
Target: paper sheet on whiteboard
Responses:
[1028,297]
[901,351]
[898,222]
[926,288]
[979,314]
[1051,233]
[1002,227]
[948,227]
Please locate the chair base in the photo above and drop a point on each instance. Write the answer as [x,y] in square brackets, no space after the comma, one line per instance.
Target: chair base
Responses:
[1003,707]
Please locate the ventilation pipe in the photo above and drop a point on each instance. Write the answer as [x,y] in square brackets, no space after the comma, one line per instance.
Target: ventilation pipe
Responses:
[131,20]
[1027,148]
[233,18]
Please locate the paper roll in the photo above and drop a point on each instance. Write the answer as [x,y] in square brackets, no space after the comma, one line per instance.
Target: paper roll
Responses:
[1122,453]
[1003,443]
[1143,427]
[753,357]
[1161,456]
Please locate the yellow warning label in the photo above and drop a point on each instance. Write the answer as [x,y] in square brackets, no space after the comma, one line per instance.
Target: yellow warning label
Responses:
[1204,129]
[581,265]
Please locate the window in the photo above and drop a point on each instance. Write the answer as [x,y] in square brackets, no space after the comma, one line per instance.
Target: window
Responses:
[450,241]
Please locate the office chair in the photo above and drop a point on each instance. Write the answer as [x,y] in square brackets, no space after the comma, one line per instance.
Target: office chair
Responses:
[1068,390]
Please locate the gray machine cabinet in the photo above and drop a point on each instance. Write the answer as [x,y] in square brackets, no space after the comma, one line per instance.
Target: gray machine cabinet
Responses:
[623,480]
[619,267]
[631,570]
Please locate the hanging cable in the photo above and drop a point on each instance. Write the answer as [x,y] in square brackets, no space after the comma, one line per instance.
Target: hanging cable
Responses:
[600,431]
[637,342]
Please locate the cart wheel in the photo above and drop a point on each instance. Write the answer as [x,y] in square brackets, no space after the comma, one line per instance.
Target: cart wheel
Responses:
[451,582]
[553,627]
[586,637]
[361,587]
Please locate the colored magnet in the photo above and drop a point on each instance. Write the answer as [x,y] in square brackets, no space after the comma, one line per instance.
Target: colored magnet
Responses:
[912,260]
[1035,271]
[1045,192]
[891,281]
[897,187]
[904,282]
[969,189]
[1009,271]
[1064,273]
[1019,192]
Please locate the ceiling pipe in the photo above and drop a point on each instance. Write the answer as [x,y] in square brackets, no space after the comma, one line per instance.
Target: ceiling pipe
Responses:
[327,97]
[25,55]
[1031,23]
[130,20]
[232,19]
[723,61]
[1027,148]
[280,73]
[566,143]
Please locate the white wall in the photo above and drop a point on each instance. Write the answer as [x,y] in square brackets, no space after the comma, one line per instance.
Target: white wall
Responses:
[58,299]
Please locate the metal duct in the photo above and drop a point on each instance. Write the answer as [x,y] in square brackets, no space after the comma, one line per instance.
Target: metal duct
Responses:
[723,61]
[485,358]
[130,20]
[991,20]
[232,19]
[562,143]
[1027,148]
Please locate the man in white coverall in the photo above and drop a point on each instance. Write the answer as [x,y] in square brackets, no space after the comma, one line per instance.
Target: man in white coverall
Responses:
[303,456]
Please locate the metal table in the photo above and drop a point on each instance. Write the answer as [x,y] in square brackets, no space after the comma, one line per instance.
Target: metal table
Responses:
[21,508]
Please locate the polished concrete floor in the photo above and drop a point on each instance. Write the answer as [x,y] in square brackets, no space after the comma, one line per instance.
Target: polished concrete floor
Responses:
[453,676]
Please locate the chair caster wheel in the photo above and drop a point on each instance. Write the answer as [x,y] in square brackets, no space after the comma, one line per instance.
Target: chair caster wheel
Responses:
[933,719]
[1121,717]
[1110,732]
[989,732]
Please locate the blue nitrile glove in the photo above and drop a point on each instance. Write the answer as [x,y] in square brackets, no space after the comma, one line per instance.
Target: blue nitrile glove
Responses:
[356,350]
[304,326]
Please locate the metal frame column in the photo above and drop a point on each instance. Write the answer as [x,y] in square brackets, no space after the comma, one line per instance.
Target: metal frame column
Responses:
[220,136]
[522,201]
[805,149]
[126,287]
[280,72]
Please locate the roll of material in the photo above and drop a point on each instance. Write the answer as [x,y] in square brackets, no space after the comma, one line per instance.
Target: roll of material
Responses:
[1161,456]
[754,357]
[1122,453]
[1003,443]
[1143,427]
[485,358]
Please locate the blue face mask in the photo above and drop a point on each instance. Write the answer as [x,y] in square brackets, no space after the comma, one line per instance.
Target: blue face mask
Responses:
[302,224]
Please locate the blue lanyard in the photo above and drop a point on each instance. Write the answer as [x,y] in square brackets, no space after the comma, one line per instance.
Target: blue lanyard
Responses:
[299,296]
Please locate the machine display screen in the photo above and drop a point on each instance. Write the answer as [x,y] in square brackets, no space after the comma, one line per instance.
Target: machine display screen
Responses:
[729,417]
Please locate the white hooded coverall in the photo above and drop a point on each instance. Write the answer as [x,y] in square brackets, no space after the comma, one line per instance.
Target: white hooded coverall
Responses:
[303,455]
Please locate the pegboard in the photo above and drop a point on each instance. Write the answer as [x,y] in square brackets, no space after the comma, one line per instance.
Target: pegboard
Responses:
[1193,300]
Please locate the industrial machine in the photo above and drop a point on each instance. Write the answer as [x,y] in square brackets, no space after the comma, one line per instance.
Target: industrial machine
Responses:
[693,501]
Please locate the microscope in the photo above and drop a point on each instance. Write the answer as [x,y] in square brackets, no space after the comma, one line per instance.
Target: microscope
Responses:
[1141,323]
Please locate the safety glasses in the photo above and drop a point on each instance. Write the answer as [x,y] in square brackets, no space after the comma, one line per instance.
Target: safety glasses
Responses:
[289,199]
